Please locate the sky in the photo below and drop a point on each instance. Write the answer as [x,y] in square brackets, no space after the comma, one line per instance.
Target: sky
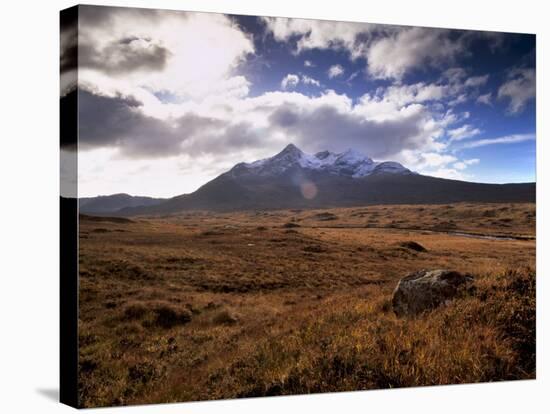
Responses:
[169,100]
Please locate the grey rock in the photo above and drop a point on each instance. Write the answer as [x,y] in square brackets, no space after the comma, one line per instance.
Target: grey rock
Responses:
[427,289]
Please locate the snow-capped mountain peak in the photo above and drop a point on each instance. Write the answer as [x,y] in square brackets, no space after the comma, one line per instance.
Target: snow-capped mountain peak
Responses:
[291,151]
[391,167]
[352,156]
[350,163]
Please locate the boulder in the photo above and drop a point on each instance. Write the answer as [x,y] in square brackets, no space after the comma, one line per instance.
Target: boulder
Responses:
[412,245]
[427,289]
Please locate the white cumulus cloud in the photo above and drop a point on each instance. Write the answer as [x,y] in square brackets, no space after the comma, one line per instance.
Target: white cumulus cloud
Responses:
[290,81]
[394,55]
[462,165]
[519,89]
[475,81]
[318,34]
[124,49]
[464,132]
[310,81]
[485,99]
[335,71]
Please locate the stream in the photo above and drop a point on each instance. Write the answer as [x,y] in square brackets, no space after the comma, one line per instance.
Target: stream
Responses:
[449,232]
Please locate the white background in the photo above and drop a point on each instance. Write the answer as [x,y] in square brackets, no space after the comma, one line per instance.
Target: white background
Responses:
[29,188]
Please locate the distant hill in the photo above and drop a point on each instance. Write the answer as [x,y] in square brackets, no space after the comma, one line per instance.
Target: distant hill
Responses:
[294,179]
[115,202]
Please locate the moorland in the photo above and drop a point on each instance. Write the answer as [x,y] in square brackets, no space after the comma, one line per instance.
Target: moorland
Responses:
[203,305]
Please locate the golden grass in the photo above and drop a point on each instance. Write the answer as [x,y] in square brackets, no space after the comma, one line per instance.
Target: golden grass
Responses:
[205,306]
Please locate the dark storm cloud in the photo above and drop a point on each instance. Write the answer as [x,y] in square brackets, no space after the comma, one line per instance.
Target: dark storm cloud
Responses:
[121,56]
[104,121]
[104,16]
[118,122]
[285,117]
[68,53]
[68,64]
[124,56]
[69,57]
[238,136]
[326,127]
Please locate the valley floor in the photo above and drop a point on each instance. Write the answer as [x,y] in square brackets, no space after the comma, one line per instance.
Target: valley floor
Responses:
[209,305]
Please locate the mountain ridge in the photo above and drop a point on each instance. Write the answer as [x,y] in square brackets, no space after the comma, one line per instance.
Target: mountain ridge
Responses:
[294,179]
[114,202]
[350,162]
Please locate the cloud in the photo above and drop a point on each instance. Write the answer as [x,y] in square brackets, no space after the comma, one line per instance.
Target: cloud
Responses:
[438,164]
[429,160]
[310,81]
[335,71]
[123,114]
[378,139]
[460,99]
[379,128]
[104,171]
[418,92]
[124,55]
[508,139]
[449,173]
[126,49]
[309,64]
[290,81]
[122,111]
[462,165]
[393,56]
[450,90]
[519,89]
[454,75]
[140,128]
[68,45]
[485,99]
[307,34]
[352,76]
[119,122]
[464,132]
[390,51]
[476,81]
[461,88]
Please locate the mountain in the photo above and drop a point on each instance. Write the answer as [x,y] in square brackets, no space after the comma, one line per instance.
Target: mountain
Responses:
[350,163]
[112,203]
[294,179]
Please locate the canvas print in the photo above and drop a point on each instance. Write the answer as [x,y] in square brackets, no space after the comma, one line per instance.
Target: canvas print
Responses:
[262,206]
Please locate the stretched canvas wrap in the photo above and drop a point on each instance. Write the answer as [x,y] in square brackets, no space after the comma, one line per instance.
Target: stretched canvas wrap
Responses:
[260,206]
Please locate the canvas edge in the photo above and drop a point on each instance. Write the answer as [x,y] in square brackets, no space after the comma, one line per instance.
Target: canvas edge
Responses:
[68,209]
